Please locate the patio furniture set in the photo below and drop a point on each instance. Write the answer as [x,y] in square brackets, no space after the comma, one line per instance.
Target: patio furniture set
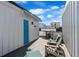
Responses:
[53,49]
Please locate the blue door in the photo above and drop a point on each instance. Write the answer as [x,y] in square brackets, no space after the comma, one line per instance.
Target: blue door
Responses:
[26,32]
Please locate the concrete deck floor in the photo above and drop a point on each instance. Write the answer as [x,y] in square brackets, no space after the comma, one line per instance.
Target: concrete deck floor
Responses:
[40,46]
[37,45]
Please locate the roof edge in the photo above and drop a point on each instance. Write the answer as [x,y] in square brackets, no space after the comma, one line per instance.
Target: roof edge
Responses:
[24,9]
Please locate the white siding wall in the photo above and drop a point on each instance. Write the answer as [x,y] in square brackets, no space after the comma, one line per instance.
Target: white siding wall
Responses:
[71,28]
[77,29]
[33,31]
[1,35]
[36,29]
[66,27]
[11,28]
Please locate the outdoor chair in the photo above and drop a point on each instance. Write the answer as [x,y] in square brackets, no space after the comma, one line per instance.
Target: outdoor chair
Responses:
[52,50]
[54,40]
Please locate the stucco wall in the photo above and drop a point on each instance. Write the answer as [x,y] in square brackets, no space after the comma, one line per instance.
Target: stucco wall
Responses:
[11,28]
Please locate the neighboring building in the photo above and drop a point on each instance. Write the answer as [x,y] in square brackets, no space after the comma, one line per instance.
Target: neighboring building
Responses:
[70,29]
[18,27]
[55,24]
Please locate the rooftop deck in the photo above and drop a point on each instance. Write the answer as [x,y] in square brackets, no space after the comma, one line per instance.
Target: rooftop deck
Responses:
[37,45]
[40,45]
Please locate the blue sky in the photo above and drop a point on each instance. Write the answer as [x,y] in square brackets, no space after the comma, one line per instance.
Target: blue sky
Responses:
[48,11]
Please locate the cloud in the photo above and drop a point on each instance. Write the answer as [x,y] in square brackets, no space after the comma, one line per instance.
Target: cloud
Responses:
[24,2]
[58,19]
[52,14]
[40,3]
[47,22]
[42,17]
[49,16]
[54,7]
[21,2]
[37,11]
[62,6]
[47,9]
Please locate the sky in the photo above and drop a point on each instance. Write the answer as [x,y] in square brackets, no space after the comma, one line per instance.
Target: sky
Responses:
[47,11]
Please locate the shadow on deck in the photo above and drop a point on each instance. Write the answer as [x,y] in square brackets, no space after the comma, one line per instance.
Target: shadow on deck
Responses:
[20,52]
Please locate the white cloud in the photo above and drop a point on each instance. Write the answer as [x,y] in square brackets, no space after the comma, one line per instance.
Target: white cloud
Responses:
[62,6]
[37,11]
[47,9]
[24,2]
[40,3]
[42,17]
[59,11]
[46,22]
[21,2]
[49,16]
[54,7]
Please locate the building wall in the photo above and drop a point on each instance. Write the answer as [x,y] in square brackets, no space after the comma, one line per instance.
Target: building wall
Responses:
[11,28]
[55,24]
[77,50]
[33,28]
[71,28]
